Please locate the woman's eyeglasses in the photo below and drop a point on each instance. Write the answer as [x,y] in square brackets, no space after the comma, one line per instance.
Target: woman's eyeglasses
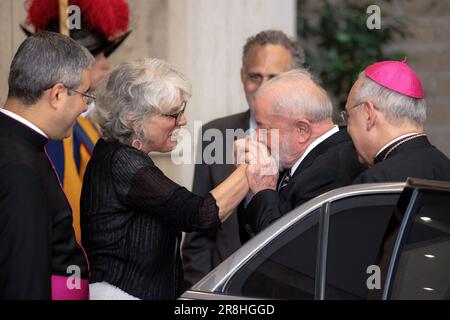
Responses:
[177,115]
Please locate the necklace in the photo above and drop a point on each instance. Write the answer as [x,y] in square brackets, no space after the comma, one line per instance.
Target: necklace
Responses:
[402,142]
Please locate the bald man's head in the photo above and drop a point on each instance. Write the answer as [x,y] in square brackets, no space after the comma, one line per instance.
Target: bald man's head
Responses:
[295,93]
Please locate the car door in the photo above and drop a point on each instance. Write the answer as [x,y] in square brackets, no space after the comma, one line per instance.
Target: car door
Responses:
[420,264]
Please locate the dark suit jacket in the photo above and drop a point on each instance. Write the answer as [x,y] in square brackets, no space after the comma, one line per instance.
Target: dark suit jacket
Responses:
[331,164]
[416,158]
[203,251]
[37,241]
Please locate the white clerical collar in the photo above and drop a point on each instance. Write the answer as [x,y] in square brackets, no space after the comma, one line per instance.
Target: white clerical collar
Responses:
[23,121]
[394,141]
[315,143]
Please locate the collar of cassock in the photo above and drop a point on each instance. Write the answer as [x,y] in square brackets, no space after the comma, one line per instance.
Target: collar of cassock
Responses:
[35,139]
[391,148]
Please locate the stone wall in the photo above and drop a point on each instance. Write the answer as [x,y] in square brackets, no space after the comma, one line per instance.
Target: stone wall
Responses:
[11,14]
[428,51]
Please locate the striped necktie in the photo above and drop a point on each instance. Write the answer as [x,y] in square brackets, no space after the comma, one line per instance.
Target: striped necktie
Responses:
[285,180]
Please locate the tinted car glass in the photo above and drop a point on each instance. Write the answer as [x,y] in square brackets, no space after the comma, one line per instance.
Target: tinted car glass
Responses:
[285,268]
[357,231]
[423,264]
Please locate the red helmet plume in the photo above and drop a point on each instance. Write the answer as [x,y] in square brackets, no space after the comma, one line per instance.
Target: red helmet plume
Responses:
[108,17]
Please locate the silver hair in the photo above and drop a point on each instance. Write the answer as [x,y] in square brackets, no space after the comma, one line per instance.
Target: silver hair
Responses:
[43,60]
[314,105]
[134,91]
[393,105]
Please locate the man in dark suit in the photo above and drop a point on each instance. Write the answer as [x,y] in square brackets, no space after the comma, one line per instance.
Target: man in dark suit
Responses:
[386,113]
[265,55]
[314,154]
[48,82]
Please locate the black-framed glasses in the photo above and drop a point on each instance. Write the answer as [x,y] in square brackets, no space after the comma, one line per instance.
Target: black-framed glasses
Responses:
[177,115]
[344,113]
[89,98]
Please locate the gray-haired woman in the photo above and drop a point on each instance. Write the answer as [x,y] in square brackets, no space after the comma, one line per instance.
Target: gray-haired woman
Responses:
[132,215]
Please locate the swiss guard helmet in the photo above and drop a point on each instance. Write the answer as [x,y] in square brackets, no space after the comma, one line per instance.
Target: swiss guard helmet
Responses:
[103,23]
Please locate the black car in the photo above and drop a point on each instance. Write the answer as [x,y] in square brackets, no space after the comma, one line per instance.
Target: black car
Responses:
[369,241]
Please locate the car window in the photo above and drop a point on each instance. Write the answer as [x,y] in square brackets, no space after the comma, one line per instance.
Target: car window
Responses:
[357,229]
[423,264]
[285,268]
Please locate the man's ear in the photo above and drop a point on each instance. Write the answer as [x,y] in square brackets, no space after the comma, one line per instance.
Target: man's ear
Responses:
[303,128]
[55,93]
[371,114]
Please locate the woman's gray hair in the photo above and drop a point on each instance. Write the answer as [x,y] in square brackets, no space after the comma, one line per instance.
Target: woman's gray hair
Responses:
[393,105]
[306,98]
[134,91]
